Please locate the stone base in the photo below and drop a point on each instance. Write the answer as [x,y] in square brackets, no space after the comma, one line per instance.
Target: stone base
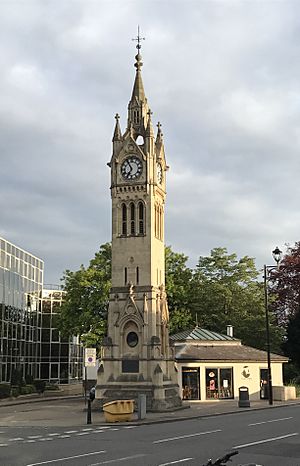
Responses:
[129,391]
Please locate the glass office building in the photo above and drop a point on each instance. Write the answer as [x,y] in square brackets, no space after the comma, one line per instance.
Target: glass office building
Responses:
[21,283]
[61,358]
[29,338]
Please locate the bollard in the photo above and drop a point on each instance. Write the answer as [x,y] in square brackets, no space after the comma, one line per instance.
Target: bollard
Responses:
[141,406]
[89,412]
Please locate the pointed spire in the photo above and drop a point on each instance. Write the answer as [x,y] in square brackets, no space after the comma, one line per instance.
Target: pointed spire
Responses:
[159,137]
[138,87]
[149,129]
[117,132]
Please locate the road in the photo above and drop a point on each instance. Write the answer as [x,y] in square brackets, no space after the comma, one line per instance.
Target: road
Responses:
[267,437]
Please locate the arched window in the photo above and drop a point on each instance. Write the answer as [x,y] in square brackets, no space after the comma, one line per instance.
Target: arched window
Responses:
[132,218]
[141,218]
[124,219]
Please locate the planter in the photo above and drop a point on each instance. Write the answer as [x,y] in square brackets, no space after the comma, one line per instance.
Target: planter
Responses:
[118,410]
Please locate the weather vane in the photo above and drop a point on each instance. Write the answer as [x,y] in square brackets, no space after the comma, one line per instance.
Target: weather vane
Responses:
[138,39]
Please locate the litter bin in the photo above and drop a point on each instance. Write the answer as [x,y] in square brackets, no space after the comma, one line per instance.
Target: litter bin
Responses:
[244,401]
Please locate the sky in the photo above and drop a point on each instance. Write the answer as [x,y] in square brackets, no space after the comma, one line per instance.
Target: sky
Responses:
[221,76]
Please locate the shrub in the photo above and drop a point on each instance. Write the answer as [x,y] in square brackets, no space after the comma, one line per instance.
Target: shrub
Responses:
[15,391]
[52,386]
[16,379]
[27,389]
[29,379]
[40,385]
[4,390]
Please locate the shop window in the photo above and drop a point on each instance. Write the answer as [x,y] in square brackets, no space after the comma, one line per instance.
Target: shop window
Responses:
[190,383]
[219,383]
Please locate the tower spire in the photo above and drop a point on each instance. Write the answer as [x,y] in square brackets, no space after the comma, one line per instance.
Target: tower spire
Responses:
[138,87]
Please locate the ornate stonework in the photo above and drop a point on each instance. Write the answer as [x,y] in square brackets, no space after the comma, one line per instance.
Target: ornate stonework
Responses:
[136,356]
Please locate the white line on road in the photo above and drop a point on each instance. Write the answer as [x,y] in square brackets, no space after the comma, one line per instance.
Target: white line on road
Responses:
[3,444]
[52,435]
[15,439]
[273,439]
[187,436]
[68,432]
[34,436]
[46,439]
[273,420]
[67,458]
[64,436]
[84,433]
[88,428]
[115,460]
[175,462]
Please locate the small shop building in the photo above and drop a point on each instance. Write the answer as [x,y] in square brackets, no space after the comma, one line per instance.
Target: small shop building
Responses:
[212,366]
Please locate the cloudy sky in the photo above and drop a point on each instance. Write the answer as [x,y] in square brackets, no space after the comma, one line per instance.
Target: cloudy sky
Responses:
[221,76]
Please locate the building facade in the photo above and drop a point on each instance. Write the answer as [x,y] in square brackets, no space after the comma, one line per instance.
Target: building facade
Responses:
[137,357]
[21,283]
[29,338]
[61,357]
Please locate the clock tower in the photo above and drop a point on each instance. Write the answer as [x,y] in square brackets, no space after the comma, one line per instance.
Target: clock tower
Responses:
[136,356]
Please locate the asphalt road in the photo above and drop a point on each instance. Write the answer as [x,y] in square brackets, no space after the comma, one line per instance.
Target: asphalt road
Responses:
[267,437]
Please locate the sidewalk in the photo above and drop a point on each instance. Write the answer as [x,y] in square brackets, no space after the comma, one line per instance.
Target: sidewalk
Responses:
[41,414]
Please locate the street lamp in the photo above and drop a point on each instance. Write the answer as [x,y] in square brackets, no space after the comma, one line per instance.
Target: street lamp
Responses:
[267,269]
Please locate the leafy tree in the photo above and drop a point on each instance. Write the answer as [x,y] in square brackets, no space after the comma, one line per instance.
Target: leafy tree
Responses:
[178,287]
[285,286]
[84,310]
[226,291]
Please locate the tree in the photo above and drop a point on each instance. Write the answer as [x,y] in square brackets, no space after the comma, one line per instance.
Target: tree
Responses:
[178,283]
[285,291]
[285,286]
[84,311]
[226,291]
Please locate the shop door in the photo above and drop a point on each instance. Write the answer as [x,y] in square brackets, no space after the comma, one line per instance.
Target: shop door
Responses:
[264,387]
[190,383]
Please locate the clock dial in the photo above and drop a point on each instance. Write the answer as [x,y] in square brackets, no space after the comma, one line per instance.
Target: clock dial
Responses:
[131,168]
[159,172]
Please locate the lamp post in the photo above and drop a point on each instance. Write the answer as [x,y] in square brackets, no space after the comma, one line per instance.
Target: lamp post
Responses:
[267,269]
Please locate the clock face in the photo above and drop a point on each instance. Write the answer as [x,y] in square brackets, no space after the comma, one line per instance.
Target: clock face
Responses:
[159,172]
[131,168]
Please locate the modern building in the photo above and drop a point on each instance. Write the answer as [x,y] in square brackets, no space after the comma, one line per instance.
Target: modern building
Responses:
[213,366]
[136,356]
[61,357]
[21,284]
[29,338]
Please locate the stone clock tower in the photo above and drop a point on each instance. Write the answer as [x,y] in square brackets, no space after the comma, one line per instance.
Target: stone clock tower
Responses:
[136,356]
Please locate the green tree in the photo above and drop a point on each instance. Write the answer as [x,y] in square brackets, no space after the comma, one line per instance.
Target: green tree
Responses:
[226,291]
[84,311]
[178,287]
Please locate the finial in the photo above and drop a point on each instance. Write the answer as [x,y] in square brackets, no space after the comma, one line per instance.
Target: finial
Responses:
[149,113]
[117,116]
[138,38]
[159,132]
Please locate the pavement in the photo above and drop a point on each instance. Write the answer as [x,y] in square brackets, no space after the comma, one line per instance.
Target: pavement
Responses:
[190,409]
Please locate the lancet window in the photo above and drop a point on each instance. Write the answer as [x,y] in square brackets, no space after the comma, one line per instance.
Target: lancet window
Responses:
[132,218]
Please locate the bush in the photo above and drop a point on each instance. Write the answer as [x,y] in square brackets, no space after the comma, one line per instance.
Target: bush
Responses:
[4,390]
[52,386]
[16,379]
[15,391]
[29,379]
[27,390]
[40,385]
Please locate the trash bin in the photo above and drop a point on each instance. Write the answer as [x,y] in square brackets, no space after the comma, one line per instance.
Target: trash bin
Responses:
[118,410]
[244,401]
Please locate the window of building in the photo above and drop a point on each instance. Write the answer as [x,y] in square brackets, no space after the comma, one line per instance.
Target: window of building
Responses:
[125,276]
[124,219]
[137,275]
[132,219]
[219,383]
[141,210]
[190,383]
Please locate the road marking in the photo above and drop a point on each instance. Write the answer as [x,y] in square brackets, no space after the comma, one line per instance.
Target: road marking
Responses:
[34,436]
[3,444]
[98,431]
[175,462]
[52,435]
[83,433]
[67,458]
[29,441]
[130,427]
[64,436]
[112,461]
[187,436]
[115,429]
[15,439]
[273,420]
[272,439]
[47,439]
[68,432]
[88,428]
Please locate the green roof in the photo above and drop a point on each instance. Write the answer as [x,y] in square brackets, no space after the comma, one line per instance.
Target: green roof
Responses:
[200,334]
